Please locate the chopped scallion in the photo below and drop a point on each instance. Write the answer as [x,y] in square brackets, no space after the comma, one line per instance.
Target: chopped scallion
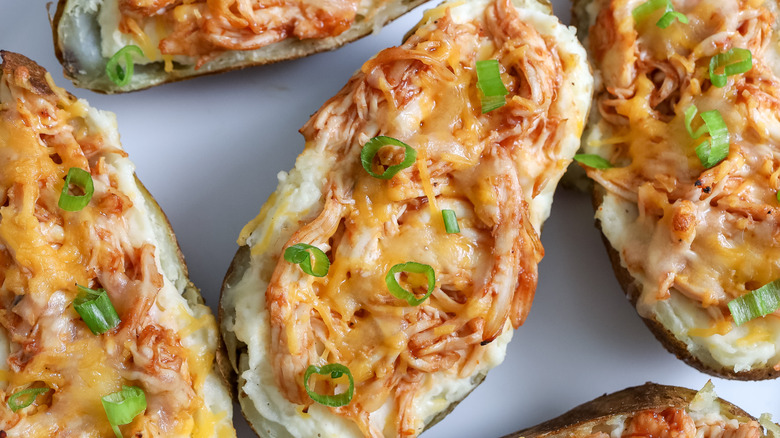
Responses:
[81,178]
[593,160]
[450,221]
[95,308]
[735,61]
[413,268]
[114,70]
[645,9]
[302,254]
[490,85]
[669,16]
[22,399]
[756,304]
[372,147]
[716,149]
[123,406]
[335,370]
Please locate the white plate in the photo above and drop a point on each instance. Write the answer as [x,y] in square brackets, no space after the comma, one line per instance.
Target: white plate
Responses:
[209,150]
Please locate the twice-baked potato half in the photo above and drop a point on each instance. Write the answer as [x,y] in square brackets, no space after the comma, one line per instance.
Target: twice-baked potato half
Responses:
[684,154]
[100,327]
[180,39]
[398,255]
[653,410]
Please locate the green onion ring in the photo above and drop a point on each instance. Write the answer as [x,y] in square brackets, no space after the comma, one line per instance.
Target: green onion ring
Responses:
[28,396]
[489,83]
[335,370]
[669,17]
[757,303]
[716,149]
[114,71]
[690,114]
[593,160]
[414,268]
[96,309]
[450,221]
[123,406]
[735,61]
[372,147]
[302,254]
[645,9]
[81,178]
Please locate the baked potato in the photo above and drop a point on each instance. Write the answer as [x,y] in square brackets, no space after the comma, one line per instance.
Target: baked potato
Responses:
[682,147]
[100,328]
[180,39]
[657,411]
[399,254]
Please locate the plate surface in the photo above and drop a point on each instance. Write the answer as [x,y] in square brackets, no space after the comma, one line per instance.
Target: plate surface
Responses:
[209,150]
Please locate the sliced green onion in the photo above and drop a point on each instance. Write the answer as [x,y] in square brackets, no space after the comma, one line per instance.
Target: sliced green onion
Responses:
[716,149]
[489,83]
[372,147]
[335,370]
[758,303]
[772,428]
[645,9]
[450,221]
[81,178]
[777,195]
[302,254]
[735,61]
[115,72]
[96,310]
[27,397]
[122,406]
[669,17]
[593,160]
[690,113]
[414,268]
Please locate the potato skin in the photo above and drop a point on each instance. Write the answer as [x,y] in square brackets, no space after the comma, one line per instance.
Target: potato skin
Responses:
[154,74]
[628,401]
[628,283]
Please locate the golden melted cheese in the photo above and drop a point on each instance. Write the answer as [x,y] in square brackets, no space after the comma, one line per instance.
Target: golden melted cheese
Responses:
[45,252]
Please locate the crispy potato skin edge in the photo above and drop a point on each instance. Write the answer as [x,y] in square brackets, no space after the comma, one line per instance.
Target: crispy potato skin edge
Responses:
[627,401]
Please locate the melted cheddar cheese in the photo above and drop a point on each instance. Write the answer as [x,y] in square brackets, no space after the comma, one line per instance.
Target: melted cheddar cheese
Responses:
[693,238]
[164,345]
[497,171]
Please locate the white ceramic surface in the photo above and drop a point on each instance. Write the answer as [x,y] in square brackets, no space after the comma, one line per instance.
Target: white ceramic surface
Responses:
[209,150]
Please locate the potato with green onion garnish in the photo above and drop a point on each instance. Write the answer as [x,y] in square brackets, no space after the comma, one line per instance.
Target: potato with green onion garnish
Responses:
[101,331]
[384,277]
[115,46]
[686,119]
